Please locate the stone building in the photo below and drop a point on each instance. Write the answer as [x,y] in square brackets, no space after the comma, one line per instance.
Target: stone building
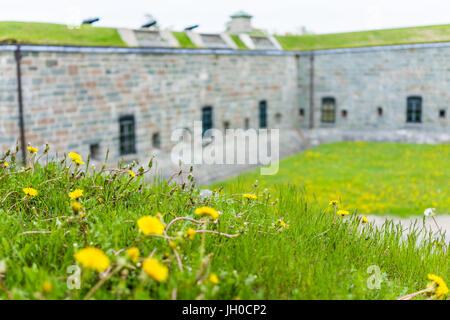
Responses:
[128,100]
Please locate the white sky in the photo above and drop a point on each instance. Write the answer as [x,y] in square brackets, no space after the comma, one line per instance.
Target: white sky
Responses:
[276,16]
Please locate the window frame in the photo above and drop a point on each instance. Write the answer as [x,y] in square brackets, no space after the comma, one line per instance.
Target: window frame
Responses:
[414,112]
[207,113]
[262,115]
[328,115]
[127,137]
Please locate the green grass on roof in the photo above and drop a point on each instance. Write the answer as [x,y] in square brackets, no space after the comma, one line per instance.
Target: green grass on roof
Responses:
[49,33]
[438,33]
[184,40]
[241,45]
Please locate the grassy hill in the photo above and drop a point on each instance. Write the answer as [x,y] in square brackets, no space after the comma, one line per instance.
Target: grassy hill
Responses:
[64,223]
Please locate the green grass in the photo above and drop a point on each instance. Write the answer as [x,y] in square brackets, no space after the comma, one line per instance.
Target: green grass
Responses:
[183,40]
[48,33]
[311,258]
[436,33]
[379,178]
[241,45]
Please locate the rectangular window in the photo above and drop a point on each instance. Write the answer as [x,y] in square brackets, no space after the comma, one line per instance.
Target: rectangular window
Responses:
[263,114]
[414,110]
[328,110]
[127,136]
[207,119]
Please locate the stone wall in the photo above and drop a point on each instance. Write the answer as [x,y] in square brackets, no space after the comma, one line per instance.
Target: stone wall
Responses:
[74,99]
[363,80]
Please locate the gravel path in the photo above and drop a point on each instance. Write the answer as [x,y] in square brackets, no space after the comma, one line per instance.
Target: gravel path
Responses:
[442,220]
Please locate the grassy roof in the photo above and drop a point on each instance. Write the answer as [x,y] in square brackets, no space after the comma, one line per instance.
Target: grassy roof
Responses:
[58,34]
[50,33]
[438,33]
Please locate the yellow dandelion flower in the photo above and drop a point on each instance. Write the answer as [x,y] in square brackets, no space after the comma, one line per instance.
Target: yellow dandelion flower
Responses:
[333,203]
[47,286]
[77,161]
[438,285]
[74,156]
[249,196]
[131,173]
[207,211]
[282,223]
[213,278]
[100,200]
[156,270]
[6,164]
[32,150]
[133,254]
[78,193]
[30,192]
[150,225]
[83,214]
[75,206]
[190,233]
[92,258]
[343,213]
[364,219]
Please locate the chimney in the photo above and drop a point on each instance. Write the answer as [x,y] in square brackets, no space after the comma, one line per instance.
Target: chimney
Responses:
[240,23]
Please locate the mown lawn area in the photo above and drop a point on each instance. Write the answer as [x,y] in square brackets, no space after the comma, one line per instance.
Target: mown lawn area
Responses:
[70,231]
[376,178]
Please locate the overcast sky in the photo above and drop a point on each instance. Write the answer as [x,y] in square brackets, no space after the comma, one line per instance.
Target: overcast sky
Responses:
[276,16]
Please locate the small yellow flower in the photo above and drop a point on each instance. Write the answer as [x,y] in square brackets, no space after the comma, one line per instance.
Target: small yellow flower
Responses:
[150,225]
[75,206]
[343,213]
[207,211]
[32,150]
[131,173]
[100,200]
[77,161]
[30,192]
[47,286]
[156,270]
[282,223]
[333,203]
[213,278]
[6,164]
[249,196]
[78,193]
[92,258]
[364,219]
[440,289]
[83,214]
[133,254]
[190,234]
[172,244]
[74,156]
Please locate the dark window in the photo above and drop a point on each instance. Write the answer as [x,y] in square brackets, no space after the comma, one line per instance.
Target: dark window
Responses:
[380,111]
[278,118]
[344,113]
[247,123]
[226,125]
[414,109]
[207,119]
[263,114]
[127,135]
[328,110]
[94,150]
[442,113]
[156,140]
[301,112]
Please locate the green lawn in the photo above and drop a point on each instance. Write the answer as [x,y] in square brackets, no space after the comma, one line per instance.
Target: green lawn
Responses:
[380,178]
[277,246]
[49,33]
[436,33]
